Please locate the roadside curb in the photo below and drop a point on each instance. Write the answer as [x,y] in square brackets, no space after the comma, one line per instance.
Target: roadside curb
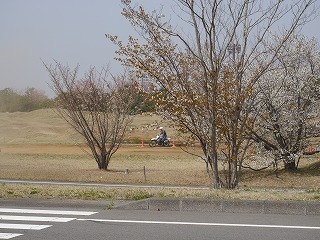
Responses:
[227,206]
[179,204]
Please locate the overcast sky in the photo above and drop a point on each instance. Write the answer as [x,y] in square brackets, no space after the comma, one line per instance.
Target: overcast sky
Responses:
[70,31]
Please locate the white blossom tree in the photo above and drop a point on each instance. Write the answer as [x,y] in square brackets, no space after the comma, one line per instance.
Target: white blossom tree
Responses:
[208,70]
[288,101]
[97,106]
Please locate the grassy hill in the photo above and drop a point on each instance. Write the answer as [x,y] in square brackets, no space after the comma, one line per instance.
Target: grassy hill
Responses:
[40,126]
[46,127]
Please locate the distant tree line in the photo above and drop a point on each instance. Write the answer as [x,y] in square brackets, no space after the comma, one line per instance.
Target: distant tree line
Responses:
[32,99]
[29,100]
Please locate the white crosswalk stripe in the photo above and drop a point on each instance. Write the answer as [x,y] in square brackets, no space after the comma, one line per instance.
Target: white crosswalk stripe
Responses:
[9,235]
[23,226]
[37,211]
[37,219]
[5,219]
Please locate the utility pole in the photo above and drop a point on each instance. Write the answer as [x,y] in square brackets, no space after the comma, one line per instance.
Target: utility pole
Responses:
[233,48]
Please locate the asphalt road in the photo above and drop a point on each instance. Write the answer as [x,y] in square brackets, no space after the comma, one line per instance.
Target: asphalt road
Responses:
[88,220]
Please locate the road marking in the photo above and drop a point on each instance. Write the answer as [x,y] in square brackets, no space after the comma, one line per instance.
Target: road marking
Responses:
[33,218]
[23,226]
[200,224]
[36,211]
[9,235]
[38,219]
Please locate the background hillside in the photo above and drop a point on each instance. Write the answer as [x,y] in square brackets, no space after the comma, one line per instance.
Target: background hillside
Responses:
[44,126]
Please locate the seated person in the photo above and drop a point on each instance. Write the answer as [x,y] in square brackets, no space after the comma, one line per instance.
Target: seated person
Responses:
[163,135]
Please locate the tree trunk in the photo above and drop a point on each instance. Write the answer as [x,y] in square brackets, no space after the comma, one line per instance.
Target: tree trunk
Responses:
[291,166]
[232,174]
[289,162]
[213,163]
[104,158]
[104,165]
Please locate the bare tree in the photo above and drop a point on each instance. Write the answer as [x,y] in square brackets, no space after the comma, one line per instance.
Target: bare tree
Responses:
[195,66]
[97,106]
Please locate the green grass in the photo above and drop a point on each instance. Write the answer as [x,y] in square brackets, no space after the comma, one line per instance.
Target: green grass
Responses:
[112,193]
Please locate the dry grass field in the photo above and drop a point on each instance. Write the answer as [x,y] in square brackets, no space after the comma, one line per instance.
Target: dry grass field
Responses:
[41,146]
[46,127]
[169,166]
